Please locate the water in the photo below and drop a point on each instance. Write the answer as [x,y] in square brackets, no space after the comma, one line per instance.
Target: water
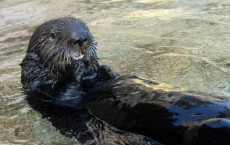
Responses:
[182,42]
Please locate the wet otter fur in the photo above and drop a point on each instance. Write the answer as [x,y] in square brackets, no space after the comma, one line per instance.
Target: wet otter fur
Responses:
[61,68]
[61,62]
[60,53]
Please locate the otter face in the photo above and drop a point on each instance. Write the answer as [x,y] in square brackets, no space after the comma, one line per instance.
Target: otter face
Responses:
[63,40]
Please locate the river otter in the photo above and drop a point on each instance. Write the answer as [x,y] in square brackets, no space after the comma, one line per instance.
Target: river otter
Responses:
[59,54]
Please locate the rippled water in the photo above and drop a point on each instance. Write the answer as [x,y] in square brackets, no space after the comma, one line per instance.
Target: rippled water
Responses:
[182,42]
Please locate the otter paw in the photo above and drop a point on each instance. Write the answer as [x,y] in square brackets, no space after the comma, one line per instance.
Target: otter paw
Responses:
[107,72]
[78,69]
[41,86]
[92,67]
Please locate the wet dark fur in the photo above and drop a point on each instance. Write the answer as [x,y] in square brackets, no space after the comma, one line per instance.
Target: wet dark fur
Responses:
[52,77]
[51,65]
[83,126]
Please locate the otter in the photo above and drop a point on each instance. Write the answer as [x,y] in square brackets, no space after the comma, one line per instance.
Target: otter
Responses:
[61,56]
[61,69]
[62,64]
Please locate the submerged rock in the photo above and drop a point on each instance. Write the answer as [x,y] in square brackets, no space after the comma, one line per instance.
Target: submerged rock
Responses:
[169,115]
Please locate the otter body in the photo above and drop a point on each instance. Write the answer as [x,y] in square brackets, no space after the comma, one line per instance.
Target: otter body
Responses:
[170,115]
[60,53]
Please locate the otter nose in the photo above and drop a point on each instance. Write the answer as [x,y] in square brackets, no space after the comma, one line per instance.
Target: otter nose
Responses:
[79,41]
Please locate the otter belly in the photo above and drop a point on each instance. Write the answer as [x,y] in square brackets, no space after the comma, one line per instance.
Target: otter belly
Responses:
[169,115]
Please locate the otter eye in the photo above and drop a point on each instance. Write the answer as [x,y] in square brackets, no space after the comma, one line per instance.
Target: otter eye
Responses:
[53,35]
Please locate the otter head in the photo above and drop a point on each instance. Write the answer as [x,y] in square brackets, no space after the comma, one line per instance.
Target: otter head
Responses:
[61,41]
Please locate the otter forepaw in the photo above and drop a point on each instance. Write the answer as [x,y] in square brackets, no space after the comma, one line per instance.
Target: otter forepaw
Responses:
[107,72]
[92,67]
[41,86]
[78,69]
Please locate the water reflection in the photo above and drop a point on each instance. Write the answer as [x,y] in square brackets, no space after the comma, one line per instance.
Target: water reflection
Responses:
[185,111]
[181,42]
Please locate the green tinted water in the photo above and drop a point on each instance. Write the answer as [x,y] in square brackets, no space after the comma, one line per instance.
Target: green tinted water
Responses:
[182,42]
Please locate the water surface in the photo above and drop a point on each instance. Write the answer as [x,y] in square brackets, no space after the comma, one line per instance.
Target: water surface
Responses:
[182,42]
